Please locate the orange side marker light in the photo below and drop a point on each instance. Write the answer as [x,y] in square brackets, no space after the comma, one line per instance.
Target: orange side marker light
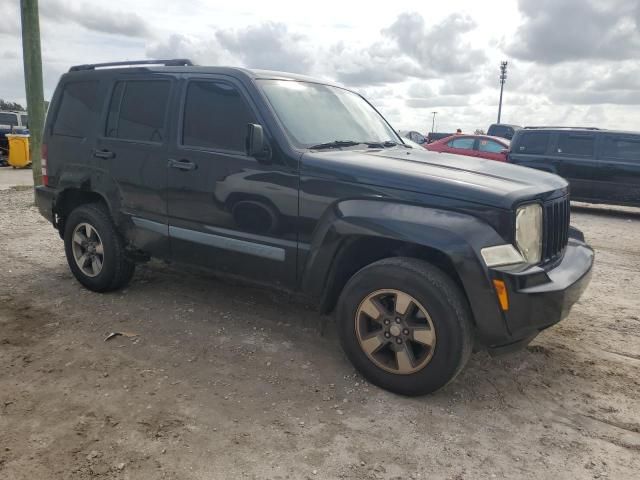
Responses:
[501,292]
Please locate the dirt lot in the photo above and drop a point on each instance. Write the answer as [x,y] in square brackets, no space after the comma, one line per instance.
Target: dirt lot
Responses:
[224,381]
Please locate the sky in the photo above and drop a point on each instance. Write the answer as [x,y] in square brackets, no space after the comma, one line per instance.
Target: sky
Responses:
[570,62]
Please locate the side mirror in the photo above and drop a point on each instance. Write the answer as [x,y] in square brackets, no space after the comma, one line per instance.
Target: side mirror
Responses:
[256,145]
[504,151]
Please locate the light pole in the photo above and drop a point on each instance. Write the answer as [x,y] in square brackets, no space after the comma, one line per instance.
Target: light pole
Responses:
[503,78]
[433,122]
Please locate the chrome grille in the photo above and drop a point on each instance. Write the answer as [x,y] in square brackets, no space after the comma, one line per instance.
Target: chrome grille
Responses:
[556,218]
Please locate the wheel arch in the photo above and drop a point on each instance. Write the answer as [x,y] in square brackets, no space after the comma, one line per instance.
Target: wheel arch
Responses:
[71,198]
[356,233]
[359,251]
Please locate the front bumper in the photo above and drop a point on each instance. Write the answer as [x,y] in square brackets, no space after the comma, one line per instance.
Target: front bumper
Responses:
[539,297]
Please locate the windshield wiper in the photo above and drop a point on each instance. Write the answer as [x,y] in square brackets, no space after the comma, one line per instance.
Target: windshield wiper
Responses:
[335,144]
[385,144]
[353,143]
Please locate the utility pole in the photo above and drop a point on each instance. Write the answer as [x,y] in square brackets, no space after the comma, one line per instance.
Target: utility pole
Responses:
[433,122]
[503,78]
[32,59]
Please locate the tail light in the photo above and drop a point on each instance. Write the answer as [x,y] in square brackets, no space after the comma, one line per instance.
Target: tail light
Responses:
[45,176]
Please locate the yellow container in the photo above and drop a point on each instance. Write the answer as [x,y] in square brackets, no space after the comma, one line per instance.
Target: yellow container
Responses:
[19,156]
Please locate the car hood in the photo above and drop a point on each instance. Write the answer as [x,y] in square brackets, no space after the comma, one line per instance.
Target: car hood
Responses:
[458,177]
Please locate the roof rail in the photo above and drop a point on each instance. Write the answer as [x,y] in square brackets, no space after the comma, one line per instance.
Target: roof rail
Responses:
[172,62]
[564,127]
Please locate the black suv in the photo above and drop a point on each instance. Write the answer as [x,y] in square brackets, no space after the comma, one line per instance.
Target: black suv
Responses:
[503,130]
[601,166]
[303,185]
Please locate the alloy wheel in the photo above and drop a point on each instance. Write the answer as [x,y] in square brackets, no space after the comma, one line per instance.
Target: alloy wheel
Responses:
[395,331]
[88,250]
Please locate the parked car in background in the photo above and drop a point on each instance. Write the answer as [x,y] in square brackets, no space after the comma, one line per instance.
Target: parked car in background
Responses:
[412,144]
[435,136]
[415,137]
[240,171]
[503,130]
[601,166]
[482,146]
[15,120]
[11,122]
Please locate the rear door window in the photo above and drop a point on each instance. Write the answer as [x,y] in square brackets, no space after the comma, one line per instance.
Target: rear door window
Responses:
[575,145]
[490,146]
[464,143]
[138,110]
[534,143]
[79,109]
[215,116]
[623,148]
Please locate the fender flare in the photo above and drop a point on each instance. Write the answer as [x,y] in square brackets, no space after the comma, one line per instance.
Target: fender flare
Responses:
[90,180]
[459,236]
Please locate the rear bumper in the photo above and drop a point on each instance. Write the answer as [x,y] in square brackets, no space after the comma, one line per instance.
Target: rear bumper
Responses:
[45,199]
[540,298]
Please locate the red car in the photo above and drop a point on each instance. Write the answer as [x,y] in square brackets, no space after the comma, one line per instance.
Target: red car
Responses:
[483,146]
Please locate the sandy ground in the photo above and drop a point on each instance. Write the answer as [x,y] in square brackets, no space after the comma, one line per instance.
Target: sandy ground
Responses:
[224,381]
[10,177]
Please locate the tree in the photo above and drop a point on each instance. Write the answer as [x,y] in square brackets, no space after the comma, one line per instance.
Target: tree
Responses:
[479,131]
[6,105]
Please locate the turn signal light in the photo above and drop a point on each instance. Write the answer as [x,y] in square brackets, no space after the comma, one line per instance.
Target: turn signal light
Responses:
[501,292]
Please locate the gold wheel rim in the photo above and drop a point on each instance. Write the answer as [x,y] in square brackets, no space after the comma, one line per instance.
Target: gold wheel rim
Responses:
[395,331]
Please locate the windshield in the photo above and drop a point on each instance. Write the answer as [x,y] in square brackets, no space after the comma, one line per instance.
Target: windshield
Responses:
[315,114]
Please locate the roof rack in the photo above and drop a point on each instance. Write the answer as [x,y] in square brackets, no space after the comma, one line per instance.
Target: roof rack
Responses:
[565,127]
[172,62]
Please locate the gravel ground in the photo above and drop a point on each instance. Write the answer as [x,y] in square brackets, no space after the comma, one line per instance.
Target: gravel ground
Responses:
[220,381]
[10,177]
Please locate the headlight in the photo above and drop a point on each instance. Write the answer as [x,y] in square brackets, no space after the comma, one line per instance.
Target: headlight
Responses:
[529,232]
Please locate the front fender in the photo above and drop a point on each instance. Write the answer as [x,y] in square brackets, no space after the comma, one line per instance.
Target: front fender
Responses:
[459,236]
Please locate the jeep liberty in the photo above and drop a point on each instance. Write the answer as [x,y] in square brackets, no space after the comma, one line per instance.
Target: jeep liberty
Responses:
[301,184]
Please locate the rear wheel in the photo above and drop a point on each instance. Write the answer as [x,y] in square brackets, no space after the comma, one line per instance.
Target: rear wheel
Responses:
[405,325]
[95,250]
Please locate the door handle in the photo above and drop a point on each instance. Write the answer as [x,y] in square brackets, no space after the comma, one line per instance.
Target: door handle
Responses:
[106,154]
[182,164]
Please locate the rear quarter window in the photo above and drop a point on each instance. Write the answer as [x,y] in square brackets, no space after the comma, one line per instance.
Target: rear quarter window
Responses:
[79,109]
[534,143]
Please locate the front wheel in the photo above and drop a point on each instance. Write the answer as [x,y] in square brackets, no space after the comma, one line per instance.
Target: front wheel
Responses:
[95,250]
[405,325]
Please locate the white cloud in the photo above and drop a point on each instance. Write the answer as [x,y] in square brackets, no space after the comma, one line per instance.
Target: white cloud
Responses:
[573,61]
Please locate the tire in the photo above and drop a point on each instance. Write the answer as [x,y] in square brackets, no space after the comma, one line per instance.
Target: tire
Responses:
[441,322]
[115,269]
